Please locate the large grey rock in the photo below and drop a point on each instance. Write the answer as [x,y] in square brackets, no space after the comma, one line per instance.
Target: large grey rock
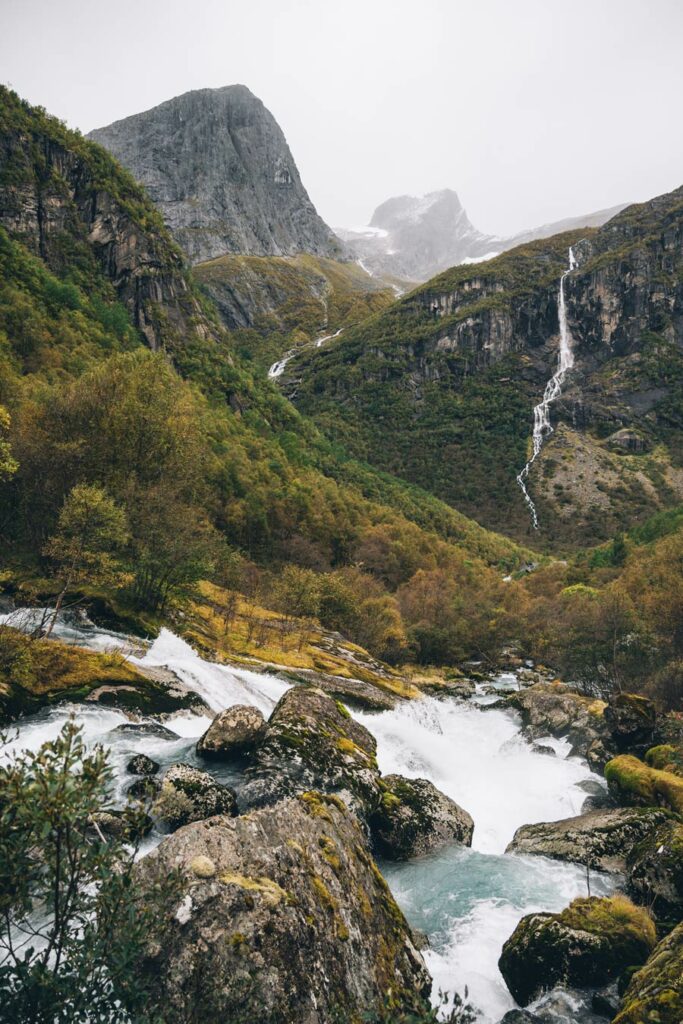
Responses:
[655,871]
[234,731]
[600,839]
[281,917]
[587,945]
[312,742]
[414,818]
[188,794]
[552,709]
[218,167]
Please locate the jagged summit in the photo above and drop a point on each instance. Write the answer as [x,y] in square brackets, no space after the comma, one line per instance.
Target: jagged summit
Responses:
[218,166]
[417,237]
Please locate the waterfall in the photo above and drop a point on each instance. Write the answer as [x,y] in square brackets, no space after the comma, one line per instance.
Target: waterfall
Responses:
[553,389]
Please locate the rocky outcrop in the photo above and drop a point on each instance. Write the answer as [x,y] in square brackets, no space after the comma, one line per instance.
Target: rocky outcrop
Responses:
[68,202]
[655,871]
[587,945]
[552,709]
[655,992]
[312,742]
[188,795]
[414,818]
[631,721]
[234,732]
[600,839]
[218,167]
[281,916]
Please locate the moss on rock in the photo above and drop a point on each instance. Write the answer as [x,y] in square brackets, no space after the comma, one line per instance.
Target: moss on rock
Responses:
[631,781]
[588,944]
[655,992]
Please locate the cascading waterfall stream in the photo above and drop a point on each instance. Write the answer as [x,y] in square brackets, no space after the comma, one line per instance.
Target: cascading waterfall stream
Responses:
[467,900]
[553,389]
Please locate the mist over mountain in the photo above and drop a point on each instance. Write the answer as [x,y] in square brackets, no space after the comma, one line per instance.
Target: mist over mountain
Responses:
[217,165]
[416,237]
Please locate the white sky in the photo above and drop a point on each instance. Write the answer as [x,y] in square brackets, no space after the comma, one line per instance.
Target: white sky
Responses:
[533,110]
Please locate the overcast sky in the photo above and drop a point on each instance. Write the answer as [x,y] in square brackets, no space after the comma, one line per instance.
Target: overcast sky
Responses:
[533,110]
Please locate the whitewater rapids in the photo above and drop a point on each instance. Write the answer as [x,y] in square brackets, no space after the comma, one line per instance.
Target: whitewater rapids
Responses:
[467,900]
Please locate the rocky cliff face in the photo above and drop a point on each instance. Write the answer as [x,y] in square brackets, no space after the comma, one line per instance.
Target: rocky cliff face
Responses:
[218,167]
[441,388]
[68,202]
[416,237]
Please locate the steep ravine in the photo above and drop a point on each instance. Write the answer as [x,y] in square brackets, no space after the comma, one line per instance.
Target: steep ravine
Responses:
[467,900]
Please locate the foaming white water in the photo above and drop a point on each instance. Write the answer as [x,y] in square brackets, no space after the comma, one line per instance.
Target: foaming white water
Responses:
[220,686]
[479,759]
[553,389]
[278,368]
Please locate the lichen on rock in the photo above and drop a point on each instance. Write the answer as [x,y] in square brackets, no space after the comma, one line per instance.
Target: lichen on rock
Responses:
[414,818]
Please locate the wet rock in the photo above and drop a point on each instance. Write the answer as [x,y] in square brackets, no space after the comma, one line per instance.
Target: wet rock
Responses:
[600,839]
[464,688]
[188,794]
[552,709]
[655,871]
[233,733]
[140,764]
[295,922]
[588,944]
[655,992]
[312,742]
[543,748]
[154,729]
[123,825]
[519,1017]
[631,721]
[605,1002]
[414,818]
[145,788]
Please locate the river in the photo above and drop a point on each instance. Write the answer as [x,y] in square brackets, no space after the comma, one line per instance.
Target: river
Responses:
[468,901]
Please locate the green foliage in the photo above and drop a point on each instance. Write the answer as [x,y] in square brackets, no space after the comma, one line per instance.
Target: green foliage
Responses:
[72,931]
[8,464]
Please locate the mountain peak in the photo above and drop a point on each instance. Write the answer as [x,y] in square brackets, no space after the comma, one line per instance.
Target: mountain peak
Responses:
[216,163]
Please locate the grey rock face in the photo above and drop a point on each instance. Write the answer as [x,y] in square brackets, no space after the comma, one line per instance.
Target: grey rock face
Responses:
[311,742]
[600,839]
[219,169]
[140,764]
[188,794]
[415,818]
[282,917]
[233,732]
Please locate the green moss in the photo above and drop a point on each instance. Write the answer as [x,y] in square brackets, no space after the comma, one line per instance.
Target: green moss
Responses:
[655,992]
[616,915]
[635,782]
[272,893]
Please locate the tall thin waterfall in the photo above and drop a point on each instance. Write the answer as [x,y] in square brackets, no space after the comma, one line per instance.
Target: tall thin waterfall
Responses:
[553,389]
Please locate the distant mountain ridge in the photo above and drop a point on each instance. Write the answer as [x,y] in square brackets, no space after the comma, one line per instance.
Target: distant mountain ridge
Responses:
[217,165]
[417,237]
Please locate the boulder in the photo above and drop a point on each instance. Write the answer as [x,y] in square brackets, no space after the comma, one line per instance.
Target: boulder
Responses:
[414,818]
[587,945]
[634,783]
[631,721]
[552,709]
[655,992]
[655,871]
[188,794]
[140,764]
[232,733]
[600,839]
[281,916]
[154,729]
[312,742]
[144,788]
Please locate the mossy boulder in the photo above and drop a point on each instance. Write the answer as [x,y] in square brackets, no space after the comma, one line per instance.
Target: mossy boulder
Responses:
[312,742]
[633,782]
[655,871]
[587,945]
[414,818]
[666,757]
[655,992]
[600,839]
[282,916]
[188,794]
[233,733]
[140,764]
[631,720]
